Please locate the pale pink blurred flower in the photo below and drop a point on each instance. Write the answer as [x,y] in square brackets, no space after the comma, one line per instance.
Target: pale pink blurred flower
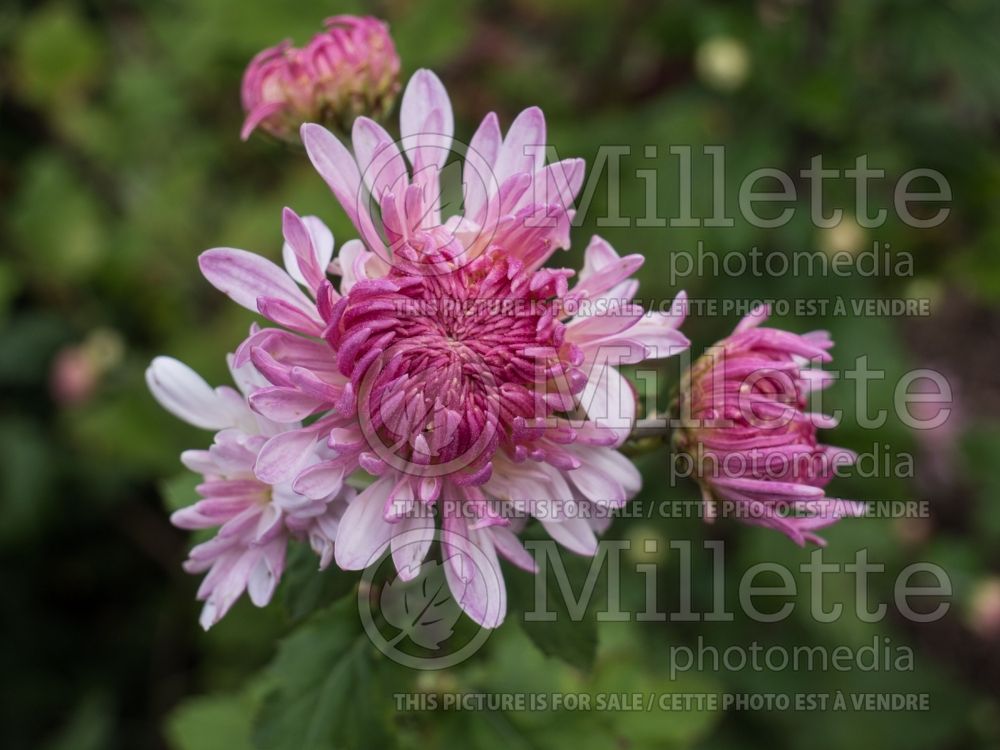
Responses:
[78,369]
[74,377]
[984,610]
[751,440]
[255,519]
[350,69]
[448,364]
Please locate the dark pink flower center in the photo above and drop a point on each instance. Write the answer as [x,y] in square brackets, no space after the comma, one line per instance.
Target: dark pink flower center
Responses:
[448,368]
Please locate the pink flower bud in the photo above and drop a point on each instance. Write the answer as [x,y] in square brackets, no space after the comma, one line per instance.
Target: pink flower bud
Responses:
[350,69]
[749,437]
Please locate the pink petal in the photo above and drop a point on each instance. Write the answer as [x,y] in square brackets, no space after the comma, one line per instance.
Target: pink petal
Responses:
[305,265]
[322,242]
[379,159]
[424,94]
[283,455]
[266,573]
[523,150]
[335,165]
[574,534]
[245,277]
[609,401]
[510,547]
[608,323]
[754,318]
[363,533]
[319,481]
[339,170]
[478,177]
[556,183]
[410,549]
[473,573]
[283,404]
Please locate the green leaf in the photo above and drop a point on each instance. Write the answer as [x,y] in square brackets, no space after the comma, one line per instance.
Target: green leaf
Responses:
[306,589]
[574,642]
[327,689]
[212,722]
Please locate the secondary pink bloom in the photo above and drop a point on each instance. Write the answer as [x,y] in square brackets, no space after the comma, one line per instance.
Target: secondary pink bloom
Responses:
[348,70]
[751,439]
[448,365]
[255,519]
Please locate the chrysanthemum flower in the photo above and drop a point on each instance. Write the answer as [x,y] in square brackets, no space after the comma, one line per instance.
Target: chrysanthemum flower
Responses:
[349,69]
[751,441]
[449,366]
[255,519]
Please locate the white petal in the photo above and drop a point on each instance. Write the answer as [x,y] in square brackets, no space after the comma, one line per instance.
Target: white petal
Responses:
[609,400]
[410,549]
[363,533]
[574,534]
[510,547]
[183,392]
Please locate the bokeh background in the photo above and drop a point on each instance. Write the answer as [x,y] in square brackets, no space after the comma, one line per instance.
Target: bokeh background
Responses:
[120,161]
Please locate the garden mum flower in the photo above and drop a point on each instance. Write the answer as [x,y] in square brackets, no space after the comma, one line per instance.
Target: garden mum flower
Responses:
[350,69]
[448,367]
[255,519]
[751,441]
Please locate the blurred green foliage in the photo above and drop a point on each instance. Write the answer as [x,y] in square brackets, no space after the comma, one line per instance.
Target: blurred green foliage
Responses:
[120,161]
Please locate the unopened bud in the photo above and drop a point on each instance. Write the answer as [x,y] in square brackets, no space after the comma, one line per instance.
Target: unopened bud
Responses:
[350,69]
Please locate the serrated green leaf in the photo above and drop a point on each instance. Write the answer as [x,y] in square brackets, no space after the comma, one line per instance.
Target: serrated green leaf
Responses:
[307,589]
[574,642]
[327,689]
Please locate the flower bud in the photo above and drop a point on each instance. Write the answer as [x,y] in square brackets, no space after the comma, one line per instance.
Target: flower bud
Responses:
[350,69]
[744,423]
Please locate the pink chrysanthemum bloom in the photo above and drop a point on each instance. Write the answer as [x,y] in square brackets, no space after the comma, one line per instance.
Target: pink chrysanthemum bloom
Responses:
[348,70]
[255,519]
[751,440]
[448,365]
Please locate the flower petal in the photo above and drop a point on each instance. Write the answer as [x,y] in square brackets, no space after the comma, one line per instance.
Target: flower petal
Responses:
[523,150]
[183,392]
[424,94]
[363,533]
[473,573]
[245,277]
[410,549]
